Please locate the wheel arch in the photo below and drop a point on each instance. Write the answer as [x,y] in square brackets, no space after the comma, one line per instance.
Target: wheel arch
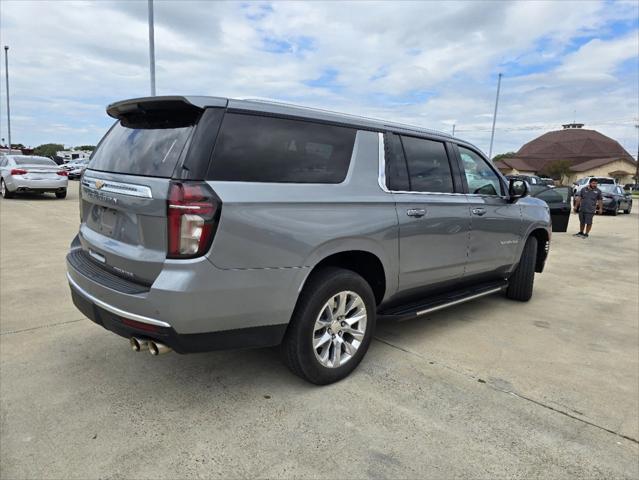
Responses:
[543,244]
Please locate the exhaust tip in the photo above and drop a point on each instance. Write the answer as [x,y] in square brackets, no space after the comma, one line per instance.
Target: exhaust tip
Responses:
[156,348]
[138,344]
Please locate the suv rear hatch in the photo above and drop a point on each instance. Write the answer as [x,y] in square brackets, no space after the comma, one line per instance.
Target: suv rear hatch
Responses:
[125,190]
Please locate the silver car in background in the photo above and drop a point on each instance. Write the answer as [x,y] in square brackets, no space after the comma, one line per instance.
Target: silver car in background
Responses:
[27,173]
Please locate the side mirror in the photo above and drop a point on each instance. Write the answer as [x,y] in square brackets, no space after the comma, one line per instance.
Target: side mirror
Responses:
[517,189]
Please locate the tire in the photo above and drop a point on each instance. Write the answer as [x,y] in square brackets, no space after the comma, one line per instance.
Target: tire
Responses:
[5,191]
[315,307]
[626,211]
[520,283]
[615,211]
[62,194]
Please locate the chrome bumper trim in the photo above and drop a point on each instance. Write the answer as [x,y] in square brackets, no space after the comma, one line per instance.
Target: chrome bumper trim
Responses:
[115,310]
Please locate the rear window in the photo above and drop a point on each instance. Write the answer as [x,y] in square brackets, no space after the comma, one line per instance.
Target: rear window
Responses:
[42,162]
[608,181]
[252,148]
[152,152]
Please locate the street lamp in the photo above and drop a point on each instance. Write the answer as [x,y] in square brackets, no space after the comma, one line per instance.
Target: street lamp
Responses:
[6,72]
[151,48]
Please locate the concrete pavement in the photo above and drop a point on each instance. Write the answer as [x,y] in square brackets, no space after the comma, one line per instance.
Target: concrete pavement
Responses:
[488,389]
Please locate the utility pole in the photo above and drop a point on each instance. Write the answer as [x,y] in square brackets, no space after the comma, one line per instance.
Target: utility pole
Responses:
[637,168]
[453,129]
[492,134]
[151,48]
[6,72]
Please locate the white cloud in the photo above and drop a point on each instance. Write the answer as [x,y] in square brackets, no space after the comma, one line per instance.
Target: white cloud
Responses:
[423,62]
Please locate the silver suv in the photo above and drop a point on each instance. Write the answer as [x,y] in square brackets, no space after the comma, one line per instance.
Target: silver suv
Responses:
[209,223]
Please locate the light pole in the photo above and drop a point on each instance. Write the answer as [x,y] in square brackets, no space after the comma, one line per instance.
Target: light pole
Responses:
[151,48]
[6,72]
[492,134]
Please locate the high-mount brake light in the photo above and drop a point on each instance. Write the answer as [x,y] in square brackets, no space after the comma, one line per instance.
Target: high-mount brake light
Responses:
[193,211]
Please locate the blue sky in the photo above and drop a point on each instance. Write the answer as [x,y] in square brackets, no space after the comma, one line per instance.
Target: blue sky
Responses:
[427,63]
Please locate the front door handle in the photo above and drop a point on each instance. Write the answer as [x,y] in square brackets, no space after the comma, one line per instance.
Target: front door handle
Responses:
[416,212]
[479,211]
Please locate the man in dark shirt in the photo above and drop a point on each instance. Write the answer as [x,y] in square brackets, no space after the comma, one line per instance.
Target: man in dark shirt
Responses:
[587,202]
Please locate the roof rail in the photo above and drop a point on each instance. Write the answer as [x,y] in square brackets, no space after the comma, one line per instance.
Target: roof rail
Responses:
[404,126]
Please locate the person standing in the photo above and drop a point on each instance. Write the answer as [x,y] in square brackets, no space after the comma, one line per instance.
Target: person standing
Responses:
[587,202]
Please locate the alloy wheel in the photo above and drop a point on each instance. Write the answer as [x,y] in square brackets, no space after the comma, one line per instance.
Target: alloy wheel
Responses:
[339,329]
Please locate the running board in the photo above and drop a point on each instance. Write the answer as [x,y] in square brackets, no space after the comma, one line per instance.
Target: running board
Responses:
[433,304]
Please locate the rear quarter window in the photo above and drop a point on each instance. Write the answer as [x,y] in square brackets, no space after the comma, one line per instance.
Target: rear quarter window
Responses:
[253,148]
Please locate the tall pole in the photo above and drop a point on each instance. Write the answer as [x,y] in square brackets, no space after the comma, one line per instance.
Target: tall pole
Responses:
[6,72]
[453,129]
[151,48]
[637,169]
[492,134]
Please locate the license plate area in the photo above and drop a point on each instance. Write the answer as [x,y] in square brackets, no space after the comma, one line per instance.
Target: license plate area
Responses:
[104,220]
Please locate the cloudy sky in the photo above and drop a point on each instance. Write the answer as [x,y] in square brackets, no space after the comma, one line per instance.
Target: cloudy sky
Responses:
[428,63]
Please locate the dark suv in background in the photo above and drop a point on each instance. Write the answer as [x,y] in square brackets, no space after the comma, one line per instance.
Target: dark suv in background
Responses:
[210,223]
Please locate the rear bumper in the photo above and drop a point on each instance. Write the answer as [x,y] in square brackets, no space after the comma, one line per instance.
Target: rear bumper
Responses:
[230,308]
[182,343]
[16,184]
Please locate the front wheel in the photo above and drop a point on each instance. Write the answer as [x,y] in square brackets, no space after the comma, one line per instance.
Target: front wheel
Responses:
[332,326]
[4,191]
[520,284]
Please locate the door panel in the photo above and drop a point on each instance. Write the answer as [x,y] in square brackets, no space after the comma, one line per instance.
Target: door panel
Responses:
[559,201]
[433,238]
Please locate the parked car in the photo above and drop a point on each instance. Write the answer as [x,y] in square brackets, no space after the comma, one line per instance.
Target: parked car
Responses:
[549,182]
[583,182]
[632,187]
[531,179]
[615,199]
[209,223]
[76,168]
[27,173]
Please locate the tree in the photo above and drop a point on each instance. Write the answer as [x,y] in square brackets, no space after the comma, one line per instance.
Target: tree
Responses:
[85,147]
[48,149]
[557,169]
[504,155]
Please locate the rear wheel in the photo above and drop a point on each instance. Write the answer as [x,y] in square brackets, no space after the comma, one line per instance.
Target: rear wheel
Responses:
[520,284]
[332,326]
[62,194]
[4,191]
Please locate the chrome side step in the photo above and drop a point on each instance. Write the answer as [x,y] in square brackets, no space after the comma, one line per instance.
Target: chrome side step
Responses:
[449,299]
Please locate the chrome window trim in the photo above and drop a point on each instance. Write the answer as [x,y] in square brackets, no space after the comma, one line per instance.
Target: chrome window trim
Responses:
[110,186]
[115,310]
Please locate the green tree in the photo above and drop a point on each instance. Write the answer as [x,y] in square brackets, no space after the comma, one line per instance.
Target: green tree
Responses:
[557,169]
[85,147]
[48,149]
[504,155]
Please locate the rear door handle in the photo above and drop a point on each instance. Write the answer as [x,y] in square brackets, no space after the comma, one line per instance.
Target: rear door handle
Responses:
[416,212]
[479,211]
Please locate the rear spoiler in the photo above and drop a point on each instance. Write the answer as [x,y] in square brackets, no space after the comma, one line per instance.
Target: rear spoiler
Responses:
[141,106]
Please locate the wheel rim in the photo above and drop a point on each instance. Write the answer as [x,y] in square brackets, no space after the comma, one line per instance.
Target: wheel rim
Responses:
[2,187]
[339,329]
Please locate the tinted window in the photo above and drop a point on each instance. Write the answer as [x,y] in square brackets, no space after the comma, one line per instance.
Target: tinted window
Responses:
[152,152]
[428,167]
[396,173]
[480,177]
[43,162]
[550,196]
[265,149]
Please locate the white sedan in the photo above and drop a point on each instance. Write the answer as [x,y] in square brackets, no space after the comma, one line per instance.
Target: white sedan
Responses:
[26,173]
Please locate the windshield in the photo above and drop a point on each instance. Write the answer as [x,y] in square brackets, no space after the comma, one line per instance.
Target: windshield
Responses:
[152,152]
[39,161]
[608,188]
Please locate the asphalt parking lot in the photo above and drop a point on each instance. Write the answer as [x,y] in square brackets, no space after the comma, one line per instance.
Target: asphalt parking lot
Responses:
[488,389]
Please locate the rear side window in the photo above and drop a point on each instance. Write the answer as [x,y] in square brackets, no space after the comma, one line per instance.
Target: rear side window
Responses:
[428,166]
[152,152]
[253,148]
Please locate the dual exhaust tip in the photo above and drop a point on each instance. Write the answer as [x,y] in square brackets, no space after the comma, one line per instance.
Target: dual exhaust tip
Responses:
[154,348]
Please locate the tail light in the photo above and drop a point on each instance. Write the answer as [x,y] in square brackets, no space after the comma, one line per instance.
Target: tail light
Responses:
[193,215]
[62,173]
[18,171]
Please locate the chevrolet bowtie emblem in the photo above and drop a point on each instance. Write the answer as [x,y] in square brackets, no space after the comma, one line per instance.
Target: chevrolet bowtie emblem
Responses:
[99,184]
